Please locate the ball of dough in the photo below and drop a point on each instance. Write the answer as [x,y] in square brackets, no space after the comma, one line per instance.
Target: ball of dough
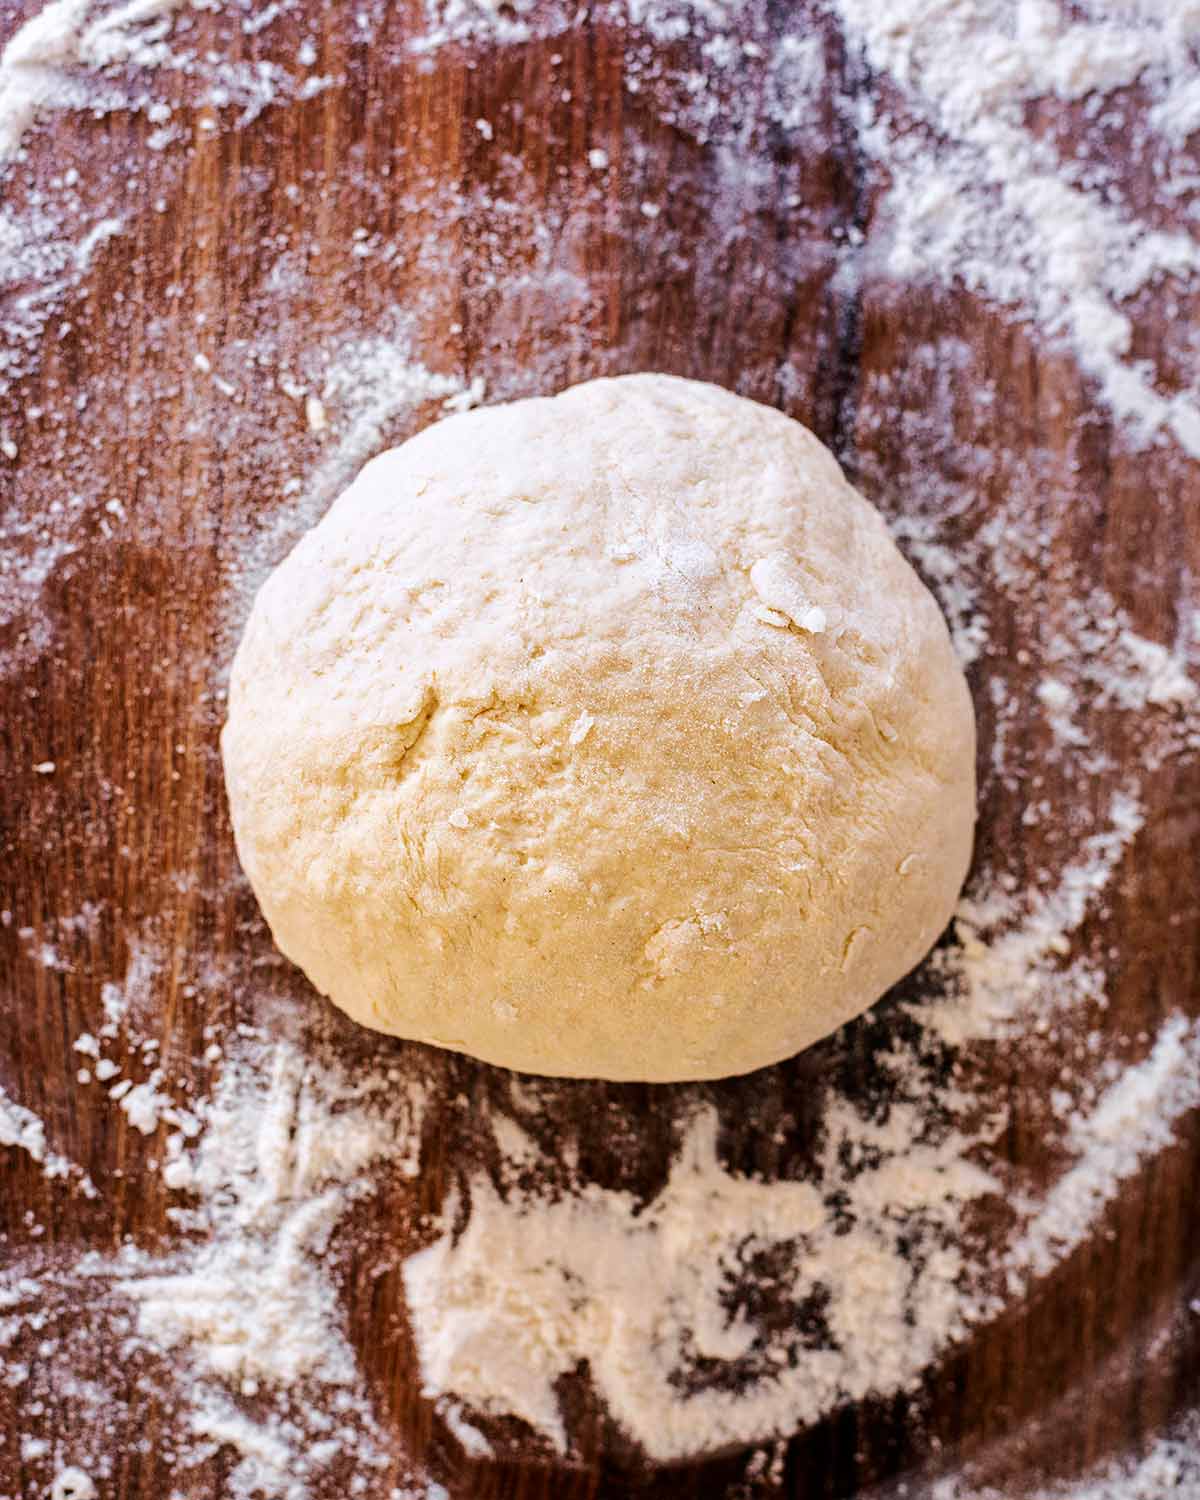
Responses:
[605,736]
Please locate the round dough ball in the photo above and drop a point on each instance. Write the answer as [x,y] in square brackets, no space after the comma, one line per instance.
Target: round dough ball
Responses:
[603,736]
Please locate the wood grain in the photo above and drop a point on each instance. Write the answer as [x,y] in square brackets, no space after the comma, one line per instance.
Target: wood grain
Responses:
[513,259]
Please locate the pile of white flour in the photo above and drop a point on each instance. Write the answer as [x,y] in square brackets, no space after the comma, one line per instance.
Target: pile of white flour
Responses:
[726,1309]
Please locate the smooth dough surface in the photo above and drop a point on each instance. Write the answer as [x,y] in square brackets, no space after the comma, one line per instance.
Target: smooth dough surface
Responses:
[607,735]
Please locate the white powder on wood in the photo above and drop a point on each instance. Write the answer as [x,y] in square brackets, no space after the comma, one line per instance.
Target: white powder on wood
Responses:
[881,1273]
[988,205]
[20,1127]
[73,1484]
[1000,981]
[499,1319]
[24,1130]
[287,1149]
[1134,1120]
[1170,1470]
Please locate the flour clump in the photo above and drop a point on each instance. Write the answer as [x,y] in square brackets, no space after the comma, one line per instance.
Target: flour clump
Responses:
[606,735]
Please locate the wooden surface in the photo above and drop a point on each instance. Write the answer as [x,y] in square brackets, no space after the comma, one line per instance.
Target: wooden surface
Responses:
[515,261]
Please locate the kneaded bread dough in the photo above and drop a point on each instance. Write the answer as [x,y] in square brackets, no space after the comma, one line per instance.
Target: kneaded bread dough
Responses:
[607,736]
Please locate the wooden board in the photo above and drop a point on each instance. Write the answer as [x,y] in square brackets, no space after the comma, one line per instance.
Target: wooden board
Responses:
[503,252]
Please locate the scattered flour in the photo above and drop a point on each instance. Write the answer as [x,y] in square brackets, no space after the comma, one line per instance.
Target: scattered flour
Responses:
[1169,1471]
[1005,970]
[280,1162]
[1149,675]
[868,1255]
[469,1438]
[977,199]
[20,1127]
[646,1294]
[73,1484]
[946,575]
[23,1129]
[1134,1120]
[496,21]
[246,1304]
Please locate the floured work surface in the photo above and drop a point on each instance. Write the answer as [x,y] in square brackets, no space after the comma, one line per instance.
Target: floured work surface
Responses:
[251,1251]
